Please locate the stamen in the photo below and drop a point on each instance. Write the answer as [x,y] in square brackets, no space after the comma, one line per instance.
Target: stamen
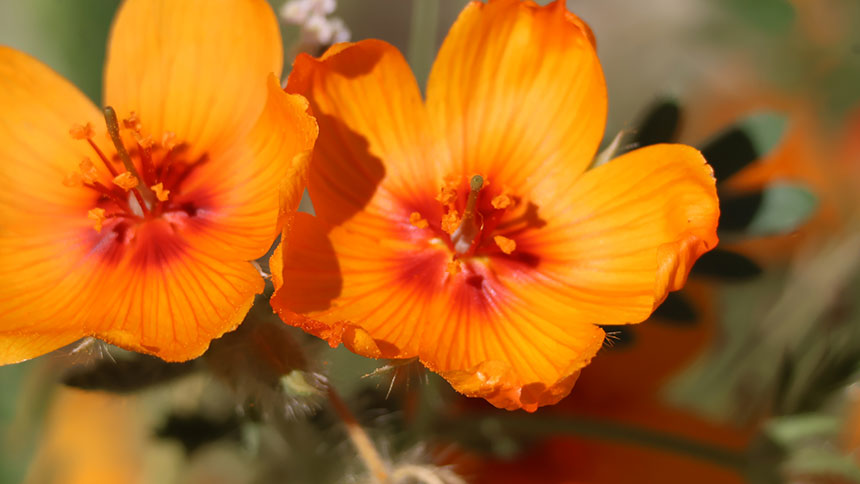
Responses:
[450,222]
[97,215]
[104,159]
[112,194]
[446,196]
[126,181]
[505,244]
[160,192]
[113,130]
[417,220]
[501,202]
[132,122]
[89,174]
[454,267]
[168,140]
[73,179]
[82,132]
[448,192]
[144,147]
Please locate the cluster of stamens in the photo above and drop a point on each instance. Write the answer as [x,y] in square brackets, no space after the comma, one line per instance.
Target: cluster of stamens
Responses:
[134,192]
[465,231]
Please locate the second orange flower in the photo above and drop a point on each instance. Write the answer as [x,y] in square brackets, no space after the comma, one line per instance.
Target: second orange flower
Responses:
[466,230]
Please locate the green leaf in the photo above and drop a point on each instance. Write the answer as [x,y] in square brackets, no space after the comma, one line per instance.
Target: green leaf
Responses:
[765,130]
[771,16]
[795,429]
[659,125]
[743,143]
[785,207]
[827,464]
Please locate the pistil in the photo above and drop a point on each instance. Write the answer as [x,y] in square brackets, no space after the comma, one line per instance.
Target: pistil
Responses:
[464,237]
[141,191]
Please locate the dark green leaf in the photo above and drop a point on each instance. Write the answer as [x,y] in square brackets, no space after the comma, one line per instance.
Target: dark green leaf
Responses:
[125,375]
[737,211]
[193,431]
[726,265]
[676,310]
[660,124]
[729,153]
[743,143]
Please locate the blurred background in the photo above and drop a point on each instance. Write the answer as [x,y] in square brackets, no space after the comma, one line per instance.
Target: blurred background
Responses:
[750,374]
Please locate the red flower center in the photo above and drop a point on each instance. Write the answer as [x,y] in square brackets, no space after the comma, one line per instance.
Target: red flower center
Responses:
[479,220]
[146,176]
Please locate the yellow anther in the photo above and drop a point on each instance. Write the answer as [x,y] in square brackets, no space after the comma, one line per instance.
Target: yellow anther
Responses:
[160,192]
[454,267]
[507,245]
[168,140]
[97,215]
[501,202]
[132,122]
[89,174]
[446,195]
[417,220]
[450,221]
[82,132]
[145,142]
[73,179]
[126,181]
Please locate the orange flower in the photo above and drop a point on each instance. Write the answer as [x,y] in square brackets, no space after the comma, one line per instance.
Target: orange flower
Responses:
[515,109]
[91,438]
[160,270]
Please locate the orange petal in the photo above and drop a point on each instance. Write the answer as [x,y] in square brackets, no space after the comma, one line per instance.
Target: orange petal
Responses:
[627,234]
[38,153]
[238,192]
[167,298]
[375,139]
[18,346]
[361,284]
[45,233]
[491,336]
[90,437]
[193,67]
[519,95]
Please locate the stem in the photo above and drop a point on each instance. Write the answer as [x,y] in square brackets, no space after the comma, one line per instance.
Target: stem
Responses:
[366,450]
[422,38]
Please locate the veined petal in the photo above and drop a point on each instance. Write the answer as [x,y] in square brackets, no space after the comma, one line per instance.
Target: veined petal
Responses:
[36,149]
[43,224]
[156,293]
[193,67]
[18,346]
[627,234]
[497,336]
[375,144]
[360,284]
[519,95]
[167,298]
[238,194]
